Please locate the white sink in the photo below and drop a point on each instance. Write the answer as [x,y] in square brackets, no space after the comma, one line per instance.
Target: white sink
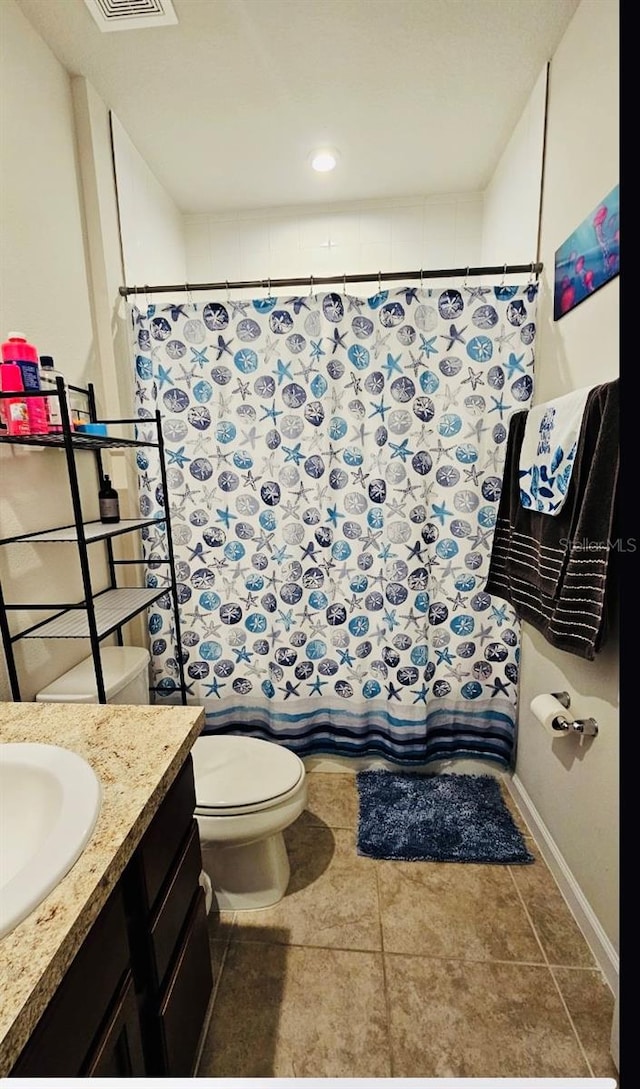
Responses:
[49,802]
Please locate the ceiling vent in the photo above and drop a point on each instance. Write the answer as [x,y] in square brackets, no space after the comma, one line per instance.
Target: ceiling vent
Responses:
[131,14]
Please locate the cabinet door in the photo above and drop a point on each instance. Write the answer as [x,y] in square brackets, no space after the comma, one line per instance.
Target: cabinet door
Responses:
[161,842]
[170,915]
[160,887]
[186,999]
[64,1036]
[118,1052]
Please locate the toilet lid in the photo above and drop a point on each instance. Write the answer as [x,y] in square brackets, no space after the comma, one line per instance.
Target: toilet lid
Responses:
[232,771]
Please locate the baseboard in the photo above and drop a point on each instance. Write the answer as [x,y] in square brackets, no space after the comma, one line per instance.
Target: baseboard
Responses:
[603,951]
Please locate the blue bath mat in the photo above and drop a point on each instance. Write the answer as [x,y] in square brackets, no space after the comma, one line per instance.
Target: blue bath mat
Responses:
[436,818]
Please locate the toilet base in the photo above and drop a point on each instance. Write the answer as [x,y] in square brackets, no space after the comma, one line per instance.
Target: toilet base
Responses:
[249,876]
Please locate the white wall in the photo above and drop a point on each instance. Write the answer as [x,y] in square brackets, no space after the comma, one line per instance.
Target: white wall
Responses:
[59,278]
[44,292]
[512,198]
[134,233]
[151,225]
[366,236]
[44,272]
[574,788]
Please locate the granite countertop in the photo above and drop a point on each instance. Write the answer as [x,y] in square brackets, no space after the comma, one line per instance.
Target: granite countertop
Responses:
[136,753]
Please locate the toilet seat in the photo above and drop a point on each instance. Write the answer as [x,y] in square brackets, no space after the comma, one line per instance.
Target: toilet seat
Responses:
[235,775]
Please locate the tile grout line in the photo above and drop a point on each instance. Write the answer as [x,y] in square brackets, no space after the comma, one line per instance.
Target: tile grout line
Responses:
[387,1001]
[529,918]
[555,982]
[404,953]
[571,1021]
[223,961]
[353,829]
[213,999]
[416,956]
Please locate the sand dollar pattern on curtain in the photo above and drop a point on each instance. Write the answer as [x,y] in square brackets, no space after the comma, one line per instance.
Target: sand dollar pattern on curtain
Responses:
[334,470]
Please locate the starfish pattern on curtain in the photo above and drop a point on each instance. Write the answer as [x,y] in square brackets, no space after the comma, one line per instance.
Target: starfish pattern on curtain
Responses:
[334,470]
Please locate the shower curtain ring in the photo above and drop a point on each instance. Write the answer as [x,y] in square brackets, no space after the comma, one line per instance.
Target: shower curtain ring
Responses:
[504,273]
[421,281]
[146,295]
[344,283]
[269,288]
[466,277]
[311,285]
[189,295]
[531,274]
[228,291]
[379,282]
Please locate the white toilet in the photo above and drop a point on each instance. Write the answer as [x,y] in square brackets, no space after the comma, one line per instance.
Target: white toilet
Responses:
[247,792]
[125,672]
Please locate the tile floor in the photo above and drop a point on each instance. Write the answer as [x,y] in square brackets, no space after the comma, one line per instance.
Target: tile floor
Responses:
[371,968]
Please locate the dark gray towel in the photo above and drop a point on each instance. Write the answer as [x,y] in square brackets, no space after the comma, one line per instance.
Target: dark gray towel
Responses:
[556,569]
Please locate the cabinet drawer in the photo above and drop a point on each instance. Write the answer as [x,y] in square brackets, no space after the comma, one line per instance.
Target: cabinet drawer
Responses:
[186,999]
[118,1051]
[162,840]
[169,917]
[81,1000]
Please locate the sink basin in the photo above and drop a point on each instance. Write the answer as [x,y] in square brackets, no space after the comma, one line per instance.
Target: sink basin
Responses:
[50,799]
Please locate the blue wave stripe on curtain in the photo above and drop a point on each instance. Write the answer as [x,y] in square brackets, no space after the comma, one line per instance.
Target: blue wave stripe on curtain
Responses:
[448,734]
[362,722]
[434,748]
[334,467]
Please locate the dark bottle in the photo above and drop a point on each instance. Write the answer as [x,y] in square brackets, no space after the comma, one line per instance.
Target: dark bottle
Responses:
[109,502]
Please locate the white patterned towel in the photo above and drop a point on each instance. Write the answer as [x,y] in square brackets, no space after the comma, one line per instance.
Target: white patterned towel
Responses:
[548,449]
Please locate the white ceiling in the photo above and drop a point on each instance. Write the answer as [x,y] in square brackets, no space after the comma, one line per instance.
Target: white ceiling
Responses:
[419,96]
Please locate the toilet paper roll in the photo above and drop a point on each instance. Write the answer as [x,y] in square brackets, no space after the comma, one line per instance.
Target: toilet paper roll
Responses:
[546,708]
[205,882]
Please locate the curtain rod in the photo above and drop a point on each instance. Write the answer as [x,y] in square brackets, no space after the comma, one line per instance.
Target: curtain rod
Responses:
[533,268]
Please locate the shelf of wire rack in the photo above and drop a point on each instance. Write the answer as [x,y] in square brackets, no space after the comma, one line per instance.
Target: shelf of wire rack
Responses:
[111,608]
[78,441]
[99,614]
[93,531]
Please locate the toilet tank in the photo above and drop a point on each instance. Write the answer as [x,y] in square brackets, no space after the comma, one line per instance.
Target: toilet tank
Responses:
[125,672]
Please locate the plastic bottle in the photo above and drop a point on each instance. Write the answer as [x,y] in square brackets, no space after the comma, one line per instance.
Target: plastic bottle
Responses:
[49,373]
[108,502]
[16,349]
[13,411]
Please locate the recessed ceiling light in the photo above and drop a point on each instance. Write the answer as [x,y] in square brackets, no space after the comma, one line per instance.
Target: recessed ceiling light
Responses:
[324,160]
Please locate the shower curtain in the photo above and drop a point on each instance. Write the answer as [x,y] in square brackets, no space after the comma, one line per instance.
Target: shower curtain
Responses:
[334,470]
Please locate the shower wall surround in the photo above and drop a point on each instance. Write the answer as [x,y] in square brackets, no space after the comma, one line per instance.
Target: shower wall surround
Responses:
[443,231]
[334,467]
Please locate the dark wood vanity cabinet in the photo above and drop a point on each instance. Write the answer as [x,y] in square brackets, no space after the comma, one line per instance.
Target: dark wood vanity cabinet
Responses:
[135,998]
[91,1019]
[118,1051]
[170,954]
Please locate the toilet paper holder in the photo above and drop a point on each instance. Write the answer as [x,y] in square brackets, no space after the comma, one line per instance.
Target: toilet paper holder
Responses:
[588,727]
